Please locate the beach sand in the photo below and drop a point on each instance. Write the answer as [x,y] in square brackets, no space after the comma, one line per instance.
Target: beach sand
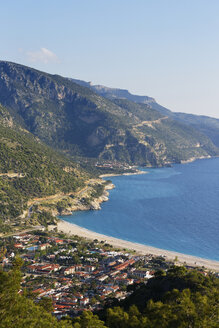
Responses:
[73,229]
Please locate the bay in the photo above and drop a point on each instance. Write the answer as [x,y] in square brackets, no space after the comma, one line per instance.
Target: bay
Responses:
[173,208]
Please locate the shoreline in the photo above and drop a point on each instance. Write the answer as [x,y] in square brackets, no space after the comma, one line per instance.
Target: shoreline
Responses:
[195,261]
[121,174]
[193,159]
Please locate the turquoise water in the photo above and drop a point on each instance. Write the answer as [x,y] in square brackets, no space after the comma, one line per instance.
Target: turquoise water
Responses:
[32,248]
[173,208]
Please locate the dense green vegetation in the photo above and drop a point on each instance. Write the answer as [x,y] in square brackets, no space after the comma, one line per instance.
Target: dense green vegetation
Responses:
[78,121]
[176,299]
[41,217]
[30,169]
[176,278]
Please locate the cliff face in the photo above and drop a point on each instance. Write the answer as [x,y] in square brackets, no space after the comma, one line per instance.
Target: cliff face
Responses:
[75,119]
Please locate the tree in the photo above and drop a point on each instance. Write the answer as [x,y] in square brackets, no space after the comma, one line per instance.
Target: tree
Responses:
[93,301]
[88,320]
[117,317]
[16,310]
[46,304]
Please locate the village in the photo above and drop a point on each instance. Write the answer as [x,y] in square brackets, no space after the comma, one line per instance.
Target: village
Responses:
[76,273]
[115,165]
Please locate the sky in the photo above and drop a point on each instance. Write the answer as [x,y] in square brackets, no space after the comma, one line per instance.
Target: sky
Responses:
[166,49]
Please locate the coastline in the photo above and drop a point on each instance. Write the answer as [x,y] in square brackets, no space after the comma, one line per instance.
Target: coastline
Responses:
[117,175]
[191,260]
[193,159]
[190,160]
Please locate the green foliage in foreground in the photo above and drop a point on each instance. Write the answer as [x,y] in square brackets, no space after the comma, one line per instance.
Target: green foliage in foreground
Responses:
[88,320]
[178,298]
[195,307]
[180,309]
[16,310]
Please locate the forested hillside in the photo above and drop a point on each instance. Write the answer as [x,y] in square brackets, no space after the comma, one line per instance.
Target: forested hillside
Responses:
[28,169]
[76,120]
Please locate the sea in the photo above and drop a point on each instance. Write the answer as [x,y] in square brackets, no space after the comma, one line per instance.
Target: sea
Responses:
[174,208]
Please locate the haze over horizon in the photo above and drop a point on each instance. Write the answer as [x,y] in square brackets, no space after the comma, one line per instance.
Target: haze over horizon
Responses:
[167,50]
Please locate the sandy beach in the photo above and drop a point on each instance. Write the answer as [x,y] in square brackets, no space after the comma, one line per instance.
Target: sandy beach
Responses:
[140,248]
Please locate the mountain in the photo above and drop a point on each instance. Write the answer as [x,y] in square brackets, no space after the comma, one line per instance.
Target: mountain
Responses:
[115,93]
[206,125]
[72,118]
[29,168]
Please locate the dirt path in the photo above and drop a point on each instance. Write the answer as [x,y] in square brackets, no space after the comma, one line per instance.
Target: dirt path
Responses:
[150,123]
[22,231]
[12,175]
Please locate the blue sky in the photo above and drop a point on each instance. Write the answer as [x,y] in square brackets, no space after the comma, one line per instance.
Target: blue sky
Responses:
[167,49]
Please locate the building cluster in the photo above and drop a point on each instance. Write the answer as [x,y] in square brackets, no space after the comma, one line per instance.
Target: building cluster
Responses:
[74,273]
[114,165]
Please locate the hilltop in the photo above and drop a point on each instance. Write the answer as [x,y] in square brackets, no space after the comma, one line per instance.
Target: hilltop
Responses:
[76,120]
